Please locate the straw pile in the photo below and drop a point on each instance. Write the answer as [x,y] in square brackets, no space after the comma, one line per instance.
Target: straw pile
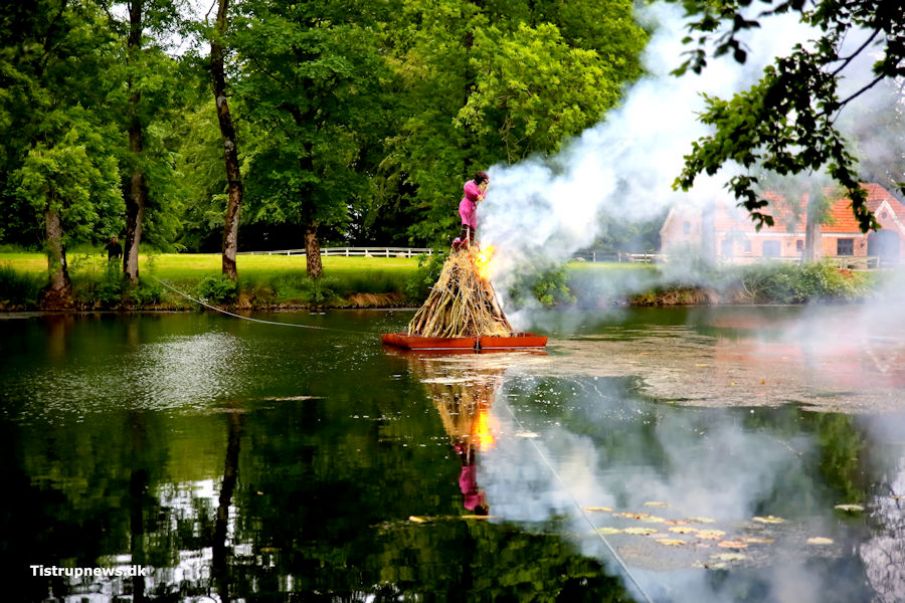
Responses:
[461,303]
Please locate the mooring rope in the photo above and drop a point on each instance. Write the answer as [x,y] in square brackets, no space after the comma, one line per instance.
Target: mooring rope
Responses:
[581,510]
[203,303]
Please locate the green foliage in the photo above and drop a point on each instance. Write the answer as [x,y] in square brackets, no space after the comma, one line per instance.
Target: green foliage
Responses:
[794,283]
[108,291]
[550,288]
[787,122]
[19,289]
[429,269]
[494,82]
[218,289]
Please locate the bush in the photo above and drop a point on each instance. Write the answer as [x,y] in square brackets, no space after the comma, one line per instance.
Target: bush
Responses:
[109,290]
[550,288]
[794,283]
[146,293]
[318,291]
[218,289]
[429,269]
[18,289]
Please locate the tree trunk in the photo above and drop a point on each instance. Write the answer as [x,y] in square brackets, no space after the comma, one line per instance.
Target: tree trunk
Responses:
[58,294]
[230,148]
[313,252]
[708,233]
[812,225]
[137,197]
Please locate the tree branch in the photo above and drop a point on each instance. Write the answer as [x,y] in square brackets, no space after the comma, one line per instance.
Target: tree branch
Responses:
[851,57]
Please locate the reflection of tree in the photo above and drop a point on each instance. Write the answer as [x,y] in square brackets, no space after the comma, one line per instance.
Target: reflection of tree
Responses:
[230,477]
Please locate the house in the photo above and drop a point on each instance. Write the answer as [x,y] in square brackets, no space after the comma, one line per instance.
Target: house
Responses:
[726,232]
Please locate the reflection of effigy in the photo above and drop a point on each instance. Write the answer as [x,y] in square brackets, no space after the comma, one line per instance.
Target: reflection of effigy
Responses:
[463,400]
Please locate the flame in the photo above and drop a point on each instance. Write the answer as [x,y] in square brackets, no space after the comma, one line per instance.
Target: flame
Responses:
[482,433]
[482,261]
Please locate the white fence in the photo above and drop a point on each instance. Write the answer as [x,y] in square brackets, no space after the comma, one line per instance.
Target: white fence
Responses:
[368,252]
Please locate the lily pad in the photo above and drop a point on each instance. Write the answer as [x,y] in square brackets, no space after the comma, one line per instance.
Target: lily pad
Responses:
[769,519]
[732,544]
[599,509]
[820,541]
[640,531]
[849,508]
[658,504]
[672,541]
[607,530]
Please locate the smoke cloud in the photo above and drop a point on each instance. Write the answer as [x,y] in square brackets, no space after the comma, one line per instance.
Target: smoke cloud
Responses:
[540,212]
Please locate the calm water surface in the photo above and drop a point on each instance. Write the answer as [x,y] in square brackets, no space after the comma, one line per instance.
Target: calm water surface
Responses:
[676,455]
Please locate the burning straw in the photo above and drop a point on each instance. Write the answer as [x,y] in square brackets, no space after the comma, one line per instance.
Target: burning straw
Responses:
[462,303]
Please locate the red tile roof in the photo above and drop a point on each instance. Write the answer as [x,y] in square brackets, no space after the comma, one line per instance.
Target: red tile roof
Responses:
[789,218]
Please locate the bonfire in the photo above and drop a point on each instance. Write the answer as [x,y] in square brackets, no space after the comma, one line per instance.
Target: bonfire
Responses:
[462,303]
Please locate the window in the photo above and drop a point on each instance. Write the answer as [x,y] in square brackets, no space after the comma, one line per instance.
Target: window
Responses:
[747,245]
[771,249]
[799,245]
[845,246]
[686,227]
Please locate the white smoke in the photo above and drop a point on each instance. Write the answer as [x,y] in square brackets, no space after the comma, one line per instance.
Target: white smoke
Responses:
[539,212]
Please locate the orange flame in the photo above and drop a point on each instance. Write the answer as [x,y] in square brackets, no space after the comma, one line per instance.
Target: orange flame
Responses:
[482,261]
[483,434]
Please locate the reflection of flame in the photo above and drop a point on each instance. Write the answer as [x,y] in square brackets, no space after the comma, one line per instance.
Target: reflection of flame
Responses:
[482,433]
[482,261]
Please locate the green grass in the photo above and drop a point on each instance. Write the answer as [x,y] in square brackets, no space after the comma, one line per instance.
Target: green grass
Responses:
[263,279]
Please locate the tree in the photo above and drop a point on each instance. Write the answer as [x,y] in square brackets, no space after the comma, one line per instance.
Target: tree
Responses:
[787,122]
[76,191]
[151,91]
[489,82]
[59,169]
[312,81]
[230,147]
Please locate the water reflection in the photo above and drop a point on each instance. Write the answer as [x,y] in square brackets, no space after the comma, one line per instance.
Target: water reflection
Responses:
[255,464]
[463,402]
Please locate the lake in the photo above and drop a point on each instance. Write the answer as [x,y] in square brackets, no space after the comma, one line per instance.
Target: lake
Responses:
[650,454]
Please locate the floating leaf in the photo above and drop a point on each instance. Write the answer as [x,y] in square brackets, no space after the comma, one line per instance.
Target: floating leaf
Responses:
[852,508]
[659,504]
[599,509]
[683,530]
[711,534]
[417,519]
[732,544]
[640,531]
[769,519]
[479,517]
[607,530]
[729,556]
[820,541]
[671,542]
[758,540]
[701,520]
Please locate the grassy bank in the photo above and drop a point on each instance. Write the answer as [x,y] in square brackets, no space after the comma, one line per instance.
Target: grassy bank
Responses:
[271,282]
[264,281]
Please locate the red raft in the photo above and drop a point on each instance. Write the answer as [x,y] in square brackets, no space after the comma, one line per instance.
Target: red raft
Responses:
[416,342]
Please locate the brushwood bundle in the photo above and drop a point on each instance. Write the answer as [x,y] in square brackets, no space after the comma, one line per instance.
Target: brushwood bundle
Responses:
[462,303]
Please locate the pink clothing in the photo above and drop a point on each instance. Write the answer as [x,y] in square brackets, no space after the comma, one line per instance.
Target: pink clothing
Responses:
[468,207]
